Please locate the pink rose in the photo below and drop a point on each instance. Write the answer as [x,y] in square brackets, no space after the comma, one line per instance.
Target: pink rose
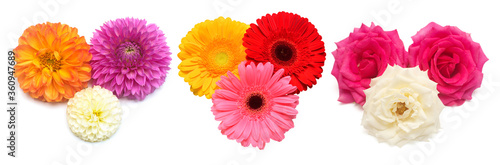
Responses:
[362,56]
[454,61]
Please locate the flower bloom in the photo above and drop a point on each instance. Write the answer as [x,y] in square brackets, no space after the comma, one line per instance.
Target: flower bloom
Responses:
[452,59]
[402,105]
[289,42]
[208,51]
[364,55]
[131,57]
[52,62]
[257,107]
[94,114]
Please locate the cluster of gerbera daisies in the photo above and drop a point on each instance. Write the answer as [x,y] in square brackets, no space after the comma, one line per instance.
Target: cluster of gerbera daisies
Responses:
[126,58]
[253,73]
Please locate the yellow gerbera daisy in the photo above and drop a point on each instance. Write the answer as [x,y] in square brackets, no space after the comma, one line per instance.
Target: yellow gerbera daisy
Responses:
[210,50]
[52,62]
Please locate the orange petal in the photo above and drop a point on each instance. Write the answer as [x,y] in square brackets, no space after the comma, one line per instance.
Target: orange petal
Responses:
[57,78]
[50,93]
[59,88]
[45,75]
[86,68]
[68,91]
[36,82]
[84,76]
[57,56]
[24,52]
[65,74]
[25,63]
[35,40]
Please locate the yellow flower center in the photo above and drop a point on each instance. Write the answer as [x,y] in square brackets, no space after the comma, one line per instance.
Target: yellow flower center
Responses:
[221,58]
[49,59]
[96,115]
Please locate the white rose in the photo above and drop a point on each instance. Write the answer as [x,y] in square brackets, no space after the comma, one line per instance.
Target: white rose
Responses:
[402,105]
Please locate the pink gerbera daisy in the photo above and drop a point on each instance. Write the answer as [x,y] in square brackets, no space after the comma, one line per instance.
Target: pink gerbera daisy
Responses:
[257,107]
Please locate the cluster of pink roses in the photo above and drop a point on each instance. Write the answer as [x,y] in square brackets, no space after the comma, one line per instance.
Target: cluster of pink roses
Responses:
[449,56]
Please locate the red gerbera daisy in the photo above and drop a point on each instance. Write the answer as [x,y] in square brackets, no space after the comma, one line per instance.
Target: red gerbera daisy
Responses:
[288,41]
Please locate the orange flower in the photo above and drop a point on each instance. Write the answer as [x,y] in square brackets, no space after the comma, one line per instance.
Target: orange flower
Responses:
[52,62]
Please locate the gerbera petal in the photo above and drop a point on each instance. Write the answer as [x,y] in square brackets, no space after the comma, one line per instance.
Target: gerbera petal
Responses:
[211,49]
[288,41]
[246,119]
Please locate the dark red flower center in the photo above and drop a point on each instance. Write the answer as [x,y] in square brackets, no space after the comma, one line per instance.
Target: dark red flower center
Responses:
[284,53]
[255,102]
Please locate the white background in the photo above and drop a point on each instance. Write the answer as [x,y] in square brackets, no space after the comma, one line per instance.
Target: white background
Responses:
[172,126]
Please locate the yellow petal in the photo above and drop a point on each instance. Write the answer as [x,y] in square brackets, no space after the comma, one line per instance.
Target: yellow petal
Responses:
[57,78]
[65,74]
[50,93]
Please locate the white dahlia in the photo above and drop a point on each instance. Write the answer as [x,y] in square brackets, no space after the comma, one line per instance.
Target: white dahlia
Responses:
[94,114]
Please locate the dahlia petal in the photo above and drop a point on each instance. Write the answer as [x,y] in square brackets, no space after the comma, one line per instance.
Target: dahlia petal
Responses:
[135,89]
[84,76]
[24,63]
[59,89]
[131,75]
[57,79]
[141,80]
[50,93]
[137,74]
[65,74]
[101,125]
[129,83]
[119,79]
[25,52]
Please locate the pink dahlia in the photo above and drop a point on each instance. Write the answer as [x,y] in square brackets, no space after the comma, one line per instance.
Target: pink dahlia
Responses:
[257,107]
[130,58]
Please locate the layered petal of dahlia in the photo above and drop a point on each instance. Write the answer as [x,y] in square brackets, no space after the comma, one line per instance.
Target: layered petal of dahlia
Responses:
[52,62]
[131,57]
[209,51]
[289,42]
[257,107]
[94,114]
